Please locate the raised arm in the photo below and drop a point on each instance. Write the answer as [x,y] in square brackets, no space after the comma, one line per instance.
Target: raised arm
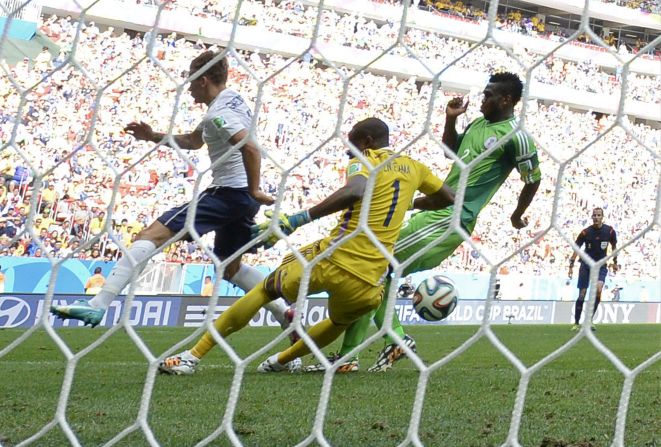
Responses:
[454,109]
[143,132]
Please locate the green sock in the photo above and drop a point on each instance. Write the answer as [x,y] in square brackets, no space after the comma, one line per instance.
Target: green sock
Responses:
[380,314]
[356,333]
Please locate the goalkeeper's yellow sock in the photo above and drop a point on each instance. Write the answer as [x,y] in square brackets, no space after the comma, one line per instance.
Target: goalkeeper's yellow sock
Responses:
[236,317]
[323,334]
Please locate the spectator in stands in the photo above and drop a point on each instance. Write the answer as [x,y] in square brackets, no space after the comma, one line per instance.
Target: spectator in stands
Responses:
[49,195]
[97,223]
[14,226]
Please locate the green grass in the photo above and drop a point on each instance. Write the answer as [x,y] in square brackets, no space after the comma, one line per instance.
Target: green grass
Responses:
[571,402]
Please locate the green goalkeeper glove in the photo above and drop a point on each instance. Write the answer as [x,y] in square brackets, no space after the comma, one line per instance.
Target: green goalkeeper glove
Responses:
[287,223]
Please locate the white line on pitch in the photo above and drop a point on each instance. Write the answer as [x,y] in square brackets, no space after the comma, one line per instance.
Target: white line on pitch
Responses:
[96,363]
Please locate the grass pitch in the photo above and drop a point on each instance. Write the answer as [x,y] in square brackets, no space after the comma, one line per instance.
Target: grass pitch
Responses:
[571,402]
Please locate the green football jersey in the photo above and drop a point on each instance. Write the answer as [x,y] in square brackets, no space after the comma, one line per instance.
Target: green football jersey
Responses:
[488,174]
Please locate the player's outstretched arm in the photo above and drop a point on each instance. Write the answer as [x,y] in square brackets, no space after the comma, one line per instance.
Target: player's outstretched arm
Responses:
[442,198]
[338,201]
[143,132]
[525,199]
[252,161]
[341,199]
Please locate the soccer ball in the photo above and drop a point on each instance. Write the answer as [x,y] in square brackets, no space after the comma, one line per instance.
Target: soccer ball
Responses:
[435,298]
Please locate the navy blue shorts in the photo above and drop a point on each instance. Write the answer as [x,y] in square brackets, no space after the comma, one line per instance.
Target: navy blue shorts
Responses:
[584,275]
[229,212]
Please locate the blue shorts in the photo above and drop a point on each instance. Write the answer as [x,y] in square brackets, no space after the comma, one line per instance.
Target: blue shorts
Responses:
[584,275]
[229,212]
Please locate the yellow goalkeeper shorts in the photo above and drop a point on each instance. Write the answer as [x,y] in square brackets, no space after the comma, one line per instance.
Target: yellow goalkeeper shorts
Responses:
[349,297]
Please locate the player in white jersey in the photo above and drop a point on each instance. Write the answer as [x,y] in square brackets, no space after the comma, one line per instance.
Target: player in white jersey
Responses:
[227,207]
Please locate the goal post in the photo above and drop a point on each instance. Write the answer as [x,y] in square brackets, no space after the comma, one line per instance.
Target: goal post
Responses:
[308,148]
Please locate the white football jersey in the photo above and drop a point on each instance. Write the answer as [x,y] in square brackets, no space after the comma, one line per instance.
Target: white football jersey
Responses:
[227,115]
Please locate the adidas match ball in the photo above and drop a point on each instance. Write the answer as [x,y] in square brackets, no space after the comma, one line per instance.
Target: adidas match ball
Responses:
[435,298]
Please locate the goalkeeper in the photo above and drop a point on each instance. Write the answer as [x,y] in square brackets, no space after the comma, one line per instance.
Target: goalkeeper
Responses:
[495,161]
[354,272]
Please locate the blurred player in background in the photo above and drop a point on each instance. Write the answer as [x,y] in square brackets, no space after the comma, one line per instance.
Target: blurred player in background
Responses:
[501,94]
[95,282]
[354,273]
[207,287]
[596,238]
[227,207]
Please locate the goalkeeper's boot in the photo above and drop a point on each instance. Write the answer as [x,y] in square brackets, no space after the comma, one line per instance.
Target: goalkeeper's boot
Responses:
[183,363]
[390,354]
[79,310]
[271,364]
[575,328]
[347,367]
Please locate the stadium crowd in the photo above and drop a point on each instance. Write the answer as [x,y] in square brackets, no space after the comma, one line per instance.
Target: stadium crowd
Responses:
[74,137]
[344,29]
[470,11]
[646,6]
[458,7]
[285,17]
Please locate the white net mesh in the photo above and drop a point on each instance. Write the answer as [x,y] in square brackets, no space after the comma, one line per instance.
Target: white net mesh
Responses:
[306,93]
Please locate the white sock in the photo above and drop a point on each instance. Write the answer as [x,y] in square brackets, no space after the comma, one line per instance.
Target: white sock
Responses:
[187,355]
[247,278]
[278,308]
[121,274]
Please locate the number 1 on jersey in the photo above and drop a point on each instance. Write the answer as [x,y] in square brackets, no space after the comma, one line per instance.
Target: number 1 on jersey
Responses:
[393,205]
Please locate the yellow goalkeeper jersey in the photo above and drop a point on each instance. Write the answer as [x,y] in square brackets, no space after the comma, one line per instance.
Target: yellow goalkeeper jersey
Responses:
[395,185]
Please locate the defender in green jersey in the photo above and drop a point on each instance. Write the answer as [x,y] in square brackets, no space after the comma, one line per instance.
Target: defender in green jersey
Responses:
[484,135]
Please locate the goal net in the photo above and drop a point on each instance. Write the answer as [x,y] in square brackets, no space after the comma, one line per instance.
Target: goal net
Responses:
[311,70]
